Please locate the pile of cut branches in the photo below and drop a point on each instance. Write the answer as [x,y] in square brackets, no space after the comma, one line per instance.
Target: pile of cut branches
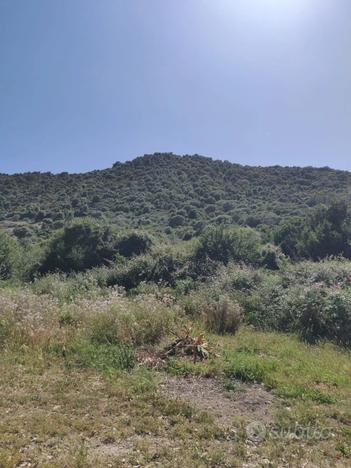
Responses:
[188,345]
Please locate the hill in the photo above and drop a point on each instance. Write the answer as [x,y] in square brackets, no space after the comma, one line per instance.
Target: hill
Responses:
[122,347]
[166,192]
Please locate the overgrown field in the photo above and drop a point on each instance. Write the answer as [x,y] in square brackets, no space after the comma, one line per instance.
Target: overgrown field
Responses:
[87,378]
[230,347]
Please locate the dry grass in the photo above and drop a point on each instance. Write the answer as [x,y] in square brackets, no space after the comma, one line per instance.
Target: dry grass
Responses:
[56,413]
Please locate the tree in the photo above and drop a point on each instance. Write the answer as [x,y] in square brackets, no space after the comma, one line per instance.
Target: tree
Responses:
[78,247]
[286,236]
[176,221]
[324,233]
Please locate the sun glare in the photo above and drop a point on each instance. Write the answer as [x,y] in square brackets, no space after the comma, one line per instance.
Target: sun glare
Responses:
[274,10]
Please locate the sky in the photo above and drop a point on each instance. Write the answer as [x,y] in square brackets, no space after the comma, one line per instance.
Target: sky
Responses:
[86,83]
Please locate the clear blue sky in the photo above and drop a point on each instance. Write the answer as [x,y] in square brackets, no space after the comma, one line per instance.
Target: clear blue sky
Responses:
[84,83]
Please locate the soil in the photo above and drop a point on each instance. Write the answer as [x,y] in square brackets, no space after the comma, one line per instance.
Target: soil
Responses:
[251,401]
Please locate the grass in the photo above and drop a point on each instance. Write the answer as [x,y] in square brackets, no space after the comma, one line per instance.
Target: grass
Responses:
[73,394]
[103,357]
[289,367]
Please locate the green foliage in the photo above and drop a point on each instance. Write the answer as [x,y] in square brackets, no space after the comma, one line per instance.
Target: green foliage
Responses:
[176,221]
[248,368]
[323,314]
[223,245]
[272,257]
[126,274]
[141,321]
[161,267]
[313,300]
[8,256]
[134,244]
[222,316]
[22,232]
[102,357]
[325,233]
[68,288]
[161,189]
[220,313]
[202,202]
[78,247]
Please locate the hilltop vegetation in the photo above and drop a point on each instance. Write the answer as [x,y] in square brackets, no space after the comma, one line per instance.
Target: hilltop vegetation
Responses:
[168,193]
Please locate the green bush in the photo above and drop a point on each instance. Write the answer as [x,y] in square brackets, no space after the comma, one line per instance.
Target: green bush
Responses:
[310,299]
[243,278]
[314,312]
[164,268]
[325,314]
[78,247]
[271,257]
[134,244]
[330,272]
[223,245]
[8,256]
[176,221]
[127,274]
[325,232]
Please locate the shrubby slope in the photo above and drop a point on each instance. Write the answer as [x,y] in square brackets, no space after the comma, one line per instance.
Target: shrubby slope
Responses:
[168,192]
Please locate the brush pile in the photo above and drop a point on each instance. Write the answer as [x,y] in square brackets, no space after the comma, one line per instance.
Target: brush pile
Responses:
[188,345]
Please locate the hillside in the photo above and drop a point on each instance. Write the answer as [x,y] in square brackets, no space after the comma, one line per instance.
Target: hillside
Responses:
[127,347]
[166,191]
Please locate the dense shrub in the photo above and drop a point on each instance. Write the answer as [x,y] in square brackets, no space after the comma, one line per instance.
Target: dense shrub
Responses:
[325,232]
[176,221]
[324,314]
[272,257]
[310,299]
[78,247]
[222,245]
[8,256]
[168,268]
[234,277]
[167,185]
[331,272]
[22,232]
[134,244]
[127,274]
[161,268]
[316,312]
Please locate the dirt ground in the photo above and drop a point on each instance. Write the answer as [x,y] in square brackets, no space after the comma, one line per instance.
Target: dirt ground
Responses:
[251,401]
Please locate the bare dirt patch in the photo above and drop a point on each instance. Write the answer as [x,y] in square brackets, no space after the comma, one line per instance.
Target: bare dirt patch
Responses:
[250,401]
